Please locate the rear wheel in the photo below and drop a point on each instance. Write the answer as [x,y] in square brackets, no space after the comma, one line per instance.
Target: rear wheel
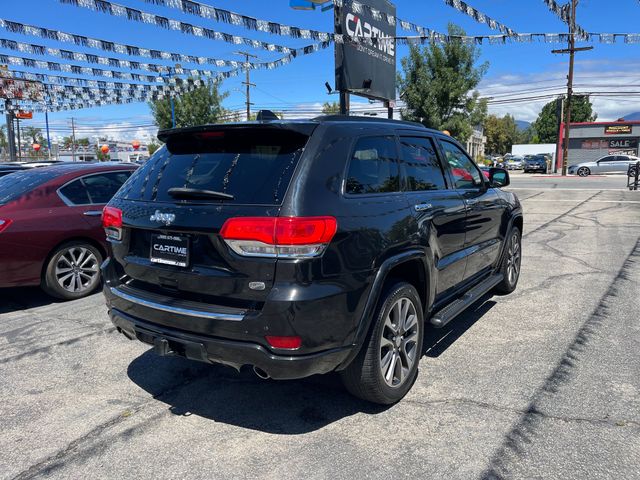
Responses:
[73,271]
[583,172]
[387,365]
[511,262]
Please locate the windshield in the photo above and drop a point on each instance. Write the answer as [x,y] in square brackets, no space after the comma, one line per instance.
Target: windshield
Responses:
[255,166]
[16,184]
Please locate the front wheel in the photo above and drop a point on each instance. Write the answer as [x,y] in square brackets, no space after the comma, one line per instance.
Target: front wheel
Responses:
[511,263]
[73,271]
[387,365]
[583,172]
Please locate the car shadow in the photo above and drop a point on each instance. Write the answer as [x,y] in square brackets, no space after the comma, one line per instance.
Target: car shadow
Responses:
[15,299]
[221,394]
[292,407]
[437,340]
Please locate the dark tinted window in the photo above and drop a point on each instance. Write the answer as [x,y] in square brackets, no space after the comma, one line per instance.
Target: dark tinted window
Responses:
[103,187]
[255,165]
[17,184]
[76,193]
[465,174]
[373,167]
[422,165]
[607,159]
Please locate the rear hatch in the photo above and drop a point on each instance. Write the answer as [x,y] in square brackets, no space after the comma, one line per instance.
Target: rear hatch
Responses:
[175,206]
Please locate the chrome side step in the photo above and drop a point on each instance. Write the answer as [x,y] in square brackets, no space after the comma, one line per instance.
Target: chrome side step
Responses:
[451,311]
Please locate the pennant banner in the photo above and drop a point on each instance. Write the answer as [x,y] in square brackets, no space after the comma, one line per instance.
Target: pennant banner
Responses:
[250,23]
[479,16]
[99,72]
[133,51]
[564,13]
[68,97]
[104,6]
[95,59]
[81,82]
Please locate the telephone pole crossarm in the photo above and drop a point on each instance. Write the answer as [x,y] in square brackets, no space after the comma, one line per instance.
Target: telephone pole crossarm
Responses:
[247,82]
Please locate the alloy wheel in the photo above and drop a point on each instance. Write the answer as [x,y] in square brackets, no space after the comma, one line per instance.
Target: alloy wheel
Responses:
[77,269]
[583,172]
[514,257]
[399,342]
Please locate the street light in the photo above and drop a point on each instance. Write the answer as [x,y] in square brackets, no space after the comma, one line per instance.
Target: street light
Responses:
[310,4]
[170,74]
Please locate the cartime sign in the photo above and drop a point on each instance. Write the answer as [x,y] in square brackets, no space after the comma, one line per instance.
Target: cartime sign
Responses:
[366,68]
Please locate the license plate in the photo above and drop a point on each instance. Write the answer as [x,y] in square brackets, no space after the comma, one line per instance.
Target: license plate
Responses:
[170,250]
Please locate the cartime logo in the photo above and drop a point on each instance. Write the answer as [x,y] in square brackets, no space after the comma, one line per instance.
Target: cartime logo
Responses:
[356,27]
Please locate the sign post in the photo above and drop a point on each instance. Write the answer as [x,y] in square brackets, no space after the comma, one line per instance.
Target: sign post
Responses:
[366,59]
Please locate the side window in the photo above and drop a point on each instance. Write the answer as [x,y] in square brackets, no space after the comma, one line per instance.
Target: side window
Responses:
[421,163]
[103,187]
[465,174]
[373,167]
[76,193]
[607,159]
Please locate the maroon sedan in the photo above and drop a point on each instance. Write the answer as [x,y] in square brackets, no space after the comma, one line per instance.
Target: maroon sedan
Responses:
[50,226]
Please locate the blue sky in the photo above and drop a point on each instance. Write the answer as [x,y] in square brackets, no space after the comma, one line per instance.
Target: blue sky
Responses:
[300,84]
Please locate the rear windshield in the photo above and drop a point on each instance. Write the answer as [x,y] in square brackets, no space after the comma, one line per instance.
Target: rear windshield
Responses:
[255,165]
[15,185]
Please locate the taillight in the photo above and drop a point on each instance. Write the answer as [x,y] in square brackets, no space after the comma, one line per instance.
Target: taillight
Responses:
[284,343]
[4,223]
[112,223]
[279,237]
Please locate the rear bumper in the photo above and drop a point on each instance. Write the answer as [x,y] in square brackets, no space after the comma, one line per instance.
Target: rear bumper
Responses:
[167,341]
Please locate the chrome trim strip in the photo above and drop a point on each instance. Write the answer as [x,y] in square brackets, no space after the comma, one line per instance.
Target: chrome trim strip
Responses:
[177,310]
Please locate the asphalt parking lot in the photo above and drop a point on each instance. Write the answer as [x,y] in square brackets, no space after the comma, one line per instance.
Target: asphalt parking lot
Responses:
[544,383]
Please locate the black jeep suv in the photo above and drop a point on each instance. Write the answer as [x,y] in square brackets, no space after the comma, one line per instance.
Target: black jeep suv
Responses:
[306,247]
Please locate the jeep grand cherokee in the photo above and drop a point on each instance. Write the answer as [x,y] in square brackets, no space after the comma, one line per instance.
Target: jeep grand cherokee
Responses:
[306,247]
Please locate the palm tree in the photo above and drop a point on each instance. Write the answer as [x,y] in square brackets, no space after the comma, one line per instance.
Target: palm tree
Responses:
[35,134]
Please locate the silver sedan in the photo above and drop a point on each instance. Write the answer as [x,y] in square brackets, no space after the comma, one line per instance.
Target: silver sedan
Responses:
[608,164]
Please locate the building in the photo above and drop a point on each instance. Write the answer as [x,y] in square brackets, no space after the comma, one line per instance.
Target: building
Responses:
[476,142]
[591,141]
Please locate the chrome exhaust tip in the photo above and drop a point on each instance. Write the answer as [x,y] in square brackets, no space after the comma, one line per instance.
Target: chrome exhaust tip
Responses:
[261,373]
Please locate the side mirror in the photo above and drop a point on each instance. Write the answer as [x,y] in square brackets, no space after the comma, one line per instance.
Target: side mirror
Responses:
[499,177]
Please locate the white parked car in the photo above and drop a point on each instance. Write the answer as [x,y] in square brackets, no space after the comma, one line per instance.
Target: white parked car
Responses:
[608,164]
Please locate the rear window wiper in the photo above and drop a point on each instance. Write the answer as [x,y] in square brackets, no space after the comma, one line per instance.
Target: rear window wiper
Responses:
[195,193]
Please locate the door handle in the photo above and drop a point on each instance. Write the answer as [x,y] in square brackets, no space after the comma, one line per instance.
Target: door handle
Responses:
[423,207]
[471,201]
[93,213]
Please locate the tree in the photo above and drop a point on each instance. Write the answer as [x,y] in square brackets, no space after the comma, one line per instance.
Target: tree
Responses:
[199,106]
[3,140]
[32,133]
[546,126]
[332,108]
[153,148]
[501,134]
[438,86]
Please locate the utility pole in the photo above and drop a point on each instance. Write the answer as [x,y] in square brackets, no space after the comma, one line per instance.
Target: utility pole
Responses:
[11,137]
[73,138]
[19,140]
[248,83]
[567,110]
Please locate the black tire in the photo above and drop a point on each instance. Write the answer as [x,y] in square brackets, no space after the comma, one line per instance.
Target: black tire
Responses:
[632,172]
[363,377]
[583,172]
[72,271]
[512,253]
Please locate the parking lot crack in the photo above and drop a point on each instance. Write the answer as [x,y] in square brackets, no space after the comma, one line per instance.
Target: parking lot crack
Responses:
[526,429]
[48,348]
[517,411]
